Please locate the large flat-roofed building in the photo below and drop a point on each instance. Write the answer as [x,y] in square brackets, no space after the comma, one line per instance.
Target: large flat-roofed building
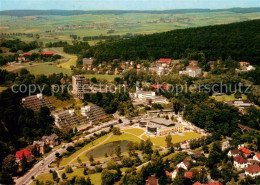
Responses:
[93,112]
[67,118]
[80,86]
[162,127]
[144,94]
[35,102]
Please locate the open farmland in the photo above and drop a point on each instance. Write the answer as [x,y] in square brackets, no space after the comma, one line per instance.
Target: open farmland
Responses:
[53,28]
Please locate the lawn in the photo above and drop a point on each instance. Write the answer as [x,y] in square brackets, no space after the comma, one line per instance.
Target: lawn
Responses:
[135,131]
[123,136]
[95,178]
[43,178]
[3,88]
[229,97]
[109,78]
[160,141]
[73,157]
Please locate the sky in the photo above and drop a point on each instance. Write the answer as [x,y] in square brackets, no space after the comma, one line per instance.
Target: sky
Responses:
[123,4]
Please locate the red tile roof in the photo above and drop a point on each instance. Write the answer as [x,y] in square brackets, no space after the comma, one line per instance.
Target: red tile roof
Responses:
[151,181]
[25,152]
[169,174]
[157,86]
[165,60]
[245,151]
[48,53]
[258,156]
[188,175]
[215,183]
[197,183]
[240,159]
[27,54]
[255,168]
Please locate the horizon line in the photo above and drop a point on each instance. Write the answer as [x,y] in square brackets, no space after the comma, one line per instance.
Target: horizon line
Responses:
[132,9]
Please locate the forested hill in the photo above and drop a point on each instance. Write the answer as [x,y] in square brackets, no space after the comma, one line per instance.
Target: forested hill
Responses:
[80,12]
[241,41]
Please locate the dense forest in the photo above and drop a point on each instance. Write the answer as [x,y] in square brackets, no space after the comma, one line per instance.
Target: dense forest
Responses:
[80,12]
[237,40]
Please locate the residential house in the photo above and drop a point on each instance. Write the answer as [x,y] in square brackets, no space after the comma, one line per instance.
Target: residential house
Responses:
[185,164]
[174,173]
[233,153]
[48,53]
[35,102]
[188,175]
[240,162]
[253,171]
[192,71]
[246,151]
[87,62]
[51,140]
[24,152]
[225,145]
[151,181]
[256,157]
[39,145]
[164,62]
[168,174]
[193,63]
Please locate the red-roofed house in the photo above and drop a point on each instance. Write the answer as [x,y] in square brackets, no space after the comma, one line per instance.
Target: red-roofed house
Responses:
[244,64]
[164,62]
[157,86]
[197,183]
[152,181]
[168,174]
[27,54]
[257,157]
[240,162]
[246,151]
[233,153]
[174,173]
[48,53]
[184,164]
[188,175]
[26,153]
[253,170]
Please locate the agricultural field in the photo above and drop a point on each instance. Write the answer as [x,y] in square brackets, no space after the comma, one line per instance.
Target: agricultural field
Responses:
[53,28]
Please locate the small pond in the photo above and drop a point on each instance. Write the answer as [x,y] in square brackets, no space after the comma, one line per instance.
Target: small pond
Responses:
[108,148]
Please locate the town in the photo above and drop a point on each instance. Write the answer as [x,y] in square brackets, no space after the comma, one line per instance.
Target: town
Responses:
[135,110]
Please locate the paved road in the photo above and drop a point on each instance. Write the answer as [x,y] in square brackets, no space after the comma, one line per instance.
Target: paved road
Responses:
[43,164]
[26,179]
